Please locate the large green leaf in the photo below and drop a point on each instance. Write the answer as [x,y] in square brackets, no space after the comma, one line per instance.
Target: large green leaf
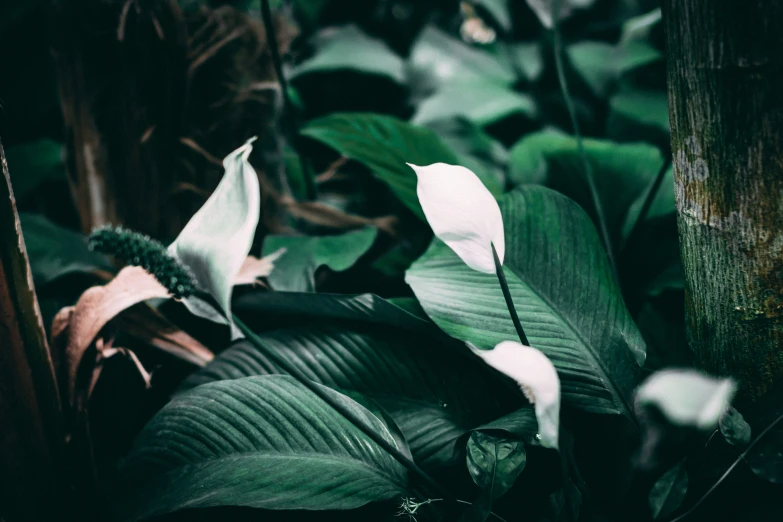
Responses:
[418,380]
[265,442]
[622,172]
[384,145]
[564,293]
[55,251]
[348,48]
[294,270]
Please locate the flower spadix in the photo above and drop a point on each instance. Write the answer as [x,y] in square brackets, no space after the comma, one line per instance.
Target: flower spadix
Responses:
[462,213]
[537,377]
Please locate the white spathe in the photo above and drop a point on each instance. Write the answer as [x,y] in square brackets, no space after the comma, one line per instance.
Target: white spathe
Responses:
[687,397]
[216,241]
[537,377]
[462,213]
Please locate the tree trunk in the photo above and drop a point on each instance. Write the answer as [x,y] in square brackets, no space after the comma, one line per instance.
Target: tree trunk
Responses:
[725,71]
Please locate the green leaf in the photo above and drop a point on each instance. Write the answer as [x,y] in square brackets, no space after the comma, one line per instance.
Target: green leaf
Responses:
[437,60]
[662,203]
[365,308]
[264,442]
[564,293]
[55,252]
[384,145]
[494,462]
[309,12]
[639,27]
[294,270]
[475,150]
[216,241]
[416,379]
[601,64]
[526,58]
[622,172]
[669,491]
[480,101]
[639,108]
[349,48]
[734,428]
[499,11]
[33,164]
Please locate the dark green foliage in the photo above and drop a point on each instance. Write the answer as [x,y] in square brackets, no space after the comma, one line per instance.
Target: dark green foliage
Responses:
[137,249]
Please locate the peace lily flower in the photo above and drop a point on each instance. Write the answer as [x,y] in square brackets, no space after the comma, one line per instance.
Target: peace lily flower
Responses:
[687,397]
[537,377]
[462,213]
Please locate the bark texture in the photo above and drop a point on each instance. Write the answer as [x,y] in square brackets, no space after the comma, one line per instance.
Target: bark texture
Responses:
[30,434]
[725,70]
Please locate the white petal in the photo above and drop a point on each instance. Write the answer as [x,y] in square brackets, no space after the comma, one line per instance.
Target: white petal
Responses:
[687,397]
[462,213]
[217,239]
[537,377]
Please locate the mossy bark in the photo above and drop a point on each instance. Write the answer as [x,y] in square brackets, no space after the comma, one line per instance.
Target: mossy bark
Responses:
[725,74]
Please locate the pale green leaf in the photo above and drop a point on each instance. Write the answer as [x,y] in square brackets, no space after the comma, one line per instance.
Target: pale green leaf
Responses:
[294,270]
[349,48]
[481,102]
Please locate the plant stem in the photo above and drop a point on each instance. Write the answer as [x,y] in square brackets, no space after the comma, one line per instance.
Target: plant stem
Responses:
[648,201]
[280,361]
[588,170]
[507,295]
[288,106]
[728,471]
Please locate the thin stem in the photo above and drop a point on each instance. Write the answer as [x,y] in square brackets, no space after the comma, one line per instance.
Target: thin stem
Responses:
[360,423]
[648,201]
[507,295]
[728,471]
[599,210]
[288,105]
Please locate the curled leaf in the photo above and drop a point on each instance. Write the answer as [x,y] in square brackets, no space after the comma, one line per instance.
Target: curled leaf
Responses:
[537,377]
[462,213]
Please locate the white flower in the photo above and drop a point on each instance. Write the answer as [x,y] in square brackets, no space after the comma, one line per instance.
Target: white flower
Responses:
[687,398]
[462,213]
[537,377]
[216,241]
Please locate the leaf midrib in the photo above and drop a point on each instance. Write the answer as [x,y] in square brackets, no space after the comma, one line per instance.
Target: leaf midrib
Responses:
[580,337]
